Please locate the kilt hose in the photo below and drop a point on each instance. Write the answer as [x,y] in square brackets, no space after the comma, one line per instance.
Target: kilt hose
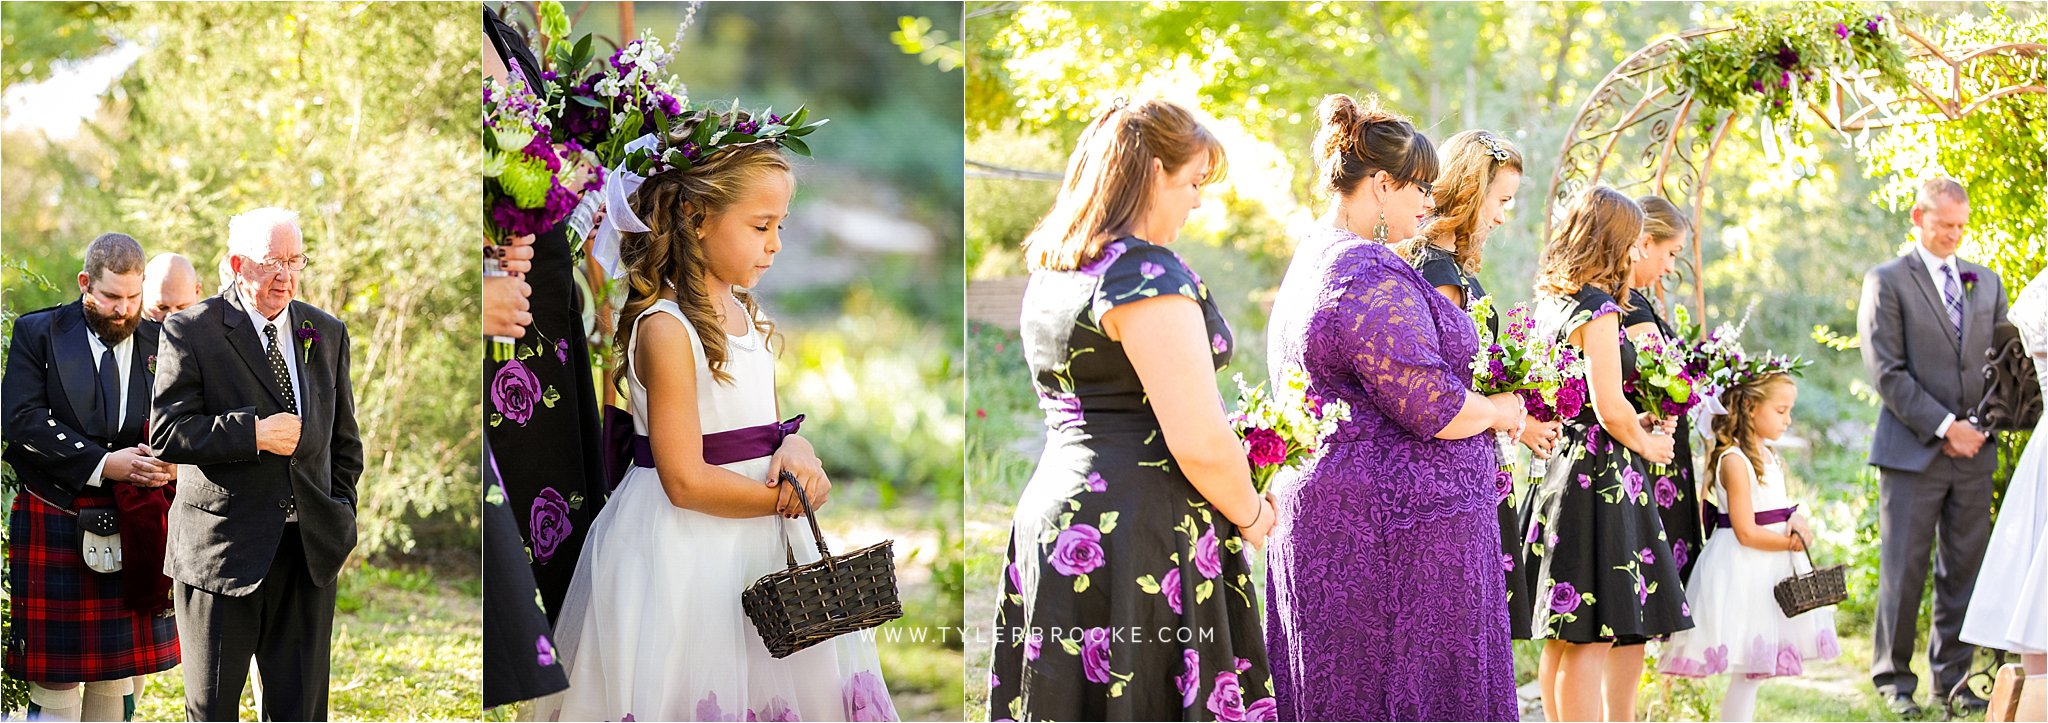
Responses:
[68,623]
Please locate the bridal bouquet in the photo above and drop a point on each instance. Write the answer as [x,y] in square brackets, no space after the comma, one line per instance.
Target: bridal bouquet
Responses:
[527,185]
[1549,377]
[1285,428]
[1673,376]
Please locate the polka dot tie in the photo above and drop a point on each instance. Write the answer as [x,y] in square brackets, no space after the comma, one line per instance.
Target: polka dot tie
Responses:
[284,376]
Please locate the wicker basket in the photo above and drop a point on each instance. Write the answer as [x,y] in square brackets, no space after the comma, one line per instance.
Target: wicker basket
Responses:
[1820,588]
[809,604]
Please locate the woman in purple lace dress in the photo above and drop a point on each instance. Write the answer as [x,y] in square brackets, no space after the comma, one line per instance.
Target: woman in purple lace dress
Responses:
[1384,576]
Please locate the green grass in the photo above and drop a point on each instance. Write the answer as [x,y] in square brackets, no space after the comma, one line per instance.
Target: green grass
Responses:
[408,645]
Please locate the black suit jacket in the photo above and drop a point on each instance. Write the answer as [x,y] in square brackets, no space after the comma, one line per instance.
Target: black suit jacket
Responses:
[53,438]
[213,382]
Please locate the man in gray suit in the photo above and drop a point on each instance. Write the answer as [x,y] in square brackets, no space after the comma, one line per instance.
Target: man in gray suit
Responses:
[1926,320]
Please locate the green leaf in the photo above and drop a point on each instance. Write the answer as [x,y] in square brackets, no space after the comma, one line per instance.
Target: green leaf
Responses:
[1107,522]
[1149,584]
[1116,690]
[707,124]
[551,396]
[1072,646]
[796,146]
[660,120]
[1081,583]
[796,120]
[496,418]
[1204,590]
[587,100]
[737,137]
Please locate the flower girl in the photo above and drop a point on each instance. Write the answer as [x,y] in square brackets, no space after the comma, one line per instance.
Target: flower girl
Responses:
[1738,628]
[652,627]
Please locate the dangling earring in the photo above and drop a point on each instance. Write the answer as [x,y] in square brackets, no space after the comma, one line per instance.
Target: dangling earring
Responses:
[1379,232]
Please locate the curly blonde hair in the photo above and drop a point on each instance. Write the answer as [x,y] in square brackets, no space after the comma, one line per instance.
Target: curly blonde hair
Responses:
[1109,179]
[1591,248]
[674,205]
[1734,430]
[1469,167]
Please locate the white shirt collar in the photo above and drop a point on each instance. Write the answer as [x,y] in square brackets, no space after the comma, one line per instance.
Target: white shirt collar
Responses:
[1934,267]
[283,321]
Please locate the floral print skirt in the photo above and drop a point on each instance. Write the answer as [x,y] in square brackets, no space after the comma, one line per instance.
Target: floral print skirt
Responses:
[1126,597]
[1599,564]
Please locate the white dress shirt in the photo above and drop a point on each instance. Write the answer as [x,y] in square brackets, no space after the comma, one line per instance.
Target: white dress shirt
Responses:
[1934,264]
[124,360]
[288,339]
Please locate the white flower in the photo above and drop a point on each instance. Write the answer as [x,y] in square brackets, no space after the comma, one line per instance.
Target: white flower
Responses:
[609,87]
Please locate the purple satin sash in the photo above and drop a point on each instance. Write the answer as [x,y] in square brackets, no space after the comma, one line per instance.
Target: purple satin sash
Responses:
[1717,519]
[625,449]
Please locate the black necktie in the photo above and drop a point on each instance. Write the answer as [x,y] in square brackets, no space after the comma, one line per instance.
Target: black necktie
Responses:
[284,376]
[110,395]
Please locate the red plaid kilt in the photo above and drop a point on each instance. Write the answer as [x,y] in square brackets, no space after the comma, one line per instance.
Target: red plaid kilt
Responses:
[66,622]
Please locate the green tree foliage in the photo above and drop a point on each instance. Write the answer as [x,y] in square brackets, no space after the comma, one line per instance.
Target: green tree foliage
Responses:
[359,116]
[36,35]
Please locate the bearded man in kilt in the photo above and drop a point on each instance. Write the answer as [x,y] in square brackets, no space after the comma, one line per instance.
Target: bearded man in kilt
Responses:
[76,396]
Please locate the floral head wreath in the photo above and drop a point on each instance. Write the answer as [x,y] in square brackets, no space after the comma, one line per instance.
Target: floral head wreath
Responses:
[1494,148]
[690,138]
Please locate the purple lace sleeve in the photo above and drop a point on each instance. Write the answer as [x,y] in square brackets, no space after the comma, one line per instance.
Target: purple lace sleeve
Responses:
[1387,330]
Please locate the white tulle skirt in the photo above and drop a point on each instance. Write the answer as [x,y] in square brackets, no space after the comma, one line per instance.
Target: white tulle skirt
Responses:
[1737,625]
[652,628]
[2006,608]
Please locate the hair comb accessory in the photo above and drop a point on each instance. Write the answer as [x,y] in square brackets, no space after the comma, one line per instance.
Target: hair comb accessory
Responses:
[1493,148]
[1120,103]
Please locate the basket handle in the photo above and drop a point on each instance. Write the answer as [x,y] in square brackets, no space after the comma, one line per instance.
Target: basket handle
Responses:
[810,515]
[1803,547]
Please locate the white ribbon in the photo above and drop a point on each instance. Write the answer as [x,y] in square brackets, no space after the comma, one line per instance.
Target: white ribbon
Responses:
[619,217]
[1703,414]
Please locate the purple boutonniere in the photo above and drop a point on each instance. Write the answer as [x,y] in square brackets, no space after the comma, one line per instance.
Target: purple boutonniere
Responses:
[307,335]
[1969,280]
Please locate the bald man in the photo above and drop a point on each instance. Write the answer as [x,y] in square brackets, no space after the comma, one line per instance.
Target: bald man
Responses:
[169,284]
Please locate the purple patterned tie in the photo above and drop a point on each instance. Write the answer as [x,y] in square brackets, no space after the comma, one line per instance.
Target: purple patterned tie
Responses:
[1954,299]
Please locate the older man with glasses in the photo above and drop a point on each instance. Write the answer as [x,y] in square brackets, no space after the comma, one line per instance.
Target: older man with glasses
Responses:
[254,389]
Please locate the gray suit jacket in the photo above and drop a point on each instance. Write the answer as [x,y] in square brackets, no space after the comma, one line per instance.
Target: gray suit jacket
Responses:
[1921,372]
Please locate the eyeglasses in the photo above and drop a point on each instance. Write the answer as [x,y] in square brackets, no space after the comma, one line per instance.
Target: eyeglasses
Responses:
[270,267]
[1428,189]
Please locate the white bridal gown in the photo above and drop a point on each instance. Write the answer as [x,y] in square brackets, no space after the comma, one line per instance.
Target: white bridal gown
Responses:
[652,628]
[2007,609]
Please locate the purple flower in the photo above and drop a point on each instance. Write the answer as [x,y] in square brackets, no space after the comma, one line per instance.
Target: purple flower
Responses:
[867,699]
[1785,80]
[1206,560]
[1096,483]
[1825,645]
[1507,562]
[1077,551]
[1642,592]
[627,719]
[1756,85]
[1264,447]
[1564,598]
[1685,608]
[708,709]
[1169,585]
[1243,665]
[1585,481]
[1787,57]
[1190,679]
[1102,260]
[1226,700]
[1016,580]
[562,350]
[514,389]
[550,523]
[1647,556]
[1151,270]
[1095,655]
[1788,661]
[1686,667]
[1032,646]
[1841,31]
[1666,492]
[1717,659]
[778,711]
[1262,710]
[1218,344]
[545,651]
[1061,409]
[1631,482]
[1535,532]
[1680,553]
[1969,278]
[1503,483]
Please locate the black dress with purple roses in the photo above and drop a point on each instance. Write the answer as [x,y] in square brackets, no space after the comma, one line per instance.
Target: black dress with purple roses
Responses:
[1673,491]
[1596,553]
[540,412]
[1440,268]
[1126,596]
